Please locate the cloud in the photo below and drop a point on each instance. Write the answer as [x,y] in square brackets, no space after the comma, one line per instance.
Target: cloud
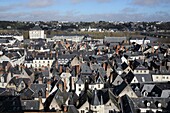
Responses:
[150,2]
[6,8]
[99,1]
[76,16]
[128,10]
[40,3]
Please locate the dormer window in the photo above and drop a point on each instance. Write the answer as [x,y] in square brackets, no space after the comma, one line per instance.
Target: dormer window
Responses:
[66,60]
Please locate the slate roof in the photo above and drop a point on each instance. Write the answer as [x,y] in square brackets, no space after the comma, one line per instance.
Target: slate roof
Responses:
[95,100]
[30,105]
[36,27]
[147,77]
[85,69]
[127,105]
[124,65]
[10,104]
[118,89]
[37,88]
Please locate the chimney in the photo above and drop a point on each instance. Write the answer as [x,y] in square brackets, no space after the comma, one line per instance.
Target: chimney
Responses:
[77,69]
[61,69]
[41,107]
[45,55]
[104,66]
[61,87]
[39,80]
[72,83]
[111,77]
[6,68]
[65,108]
[29,83]
[108,71]
[51,54]
[117,51]
[152,49]
[56,54]
[56,65]
[65,84]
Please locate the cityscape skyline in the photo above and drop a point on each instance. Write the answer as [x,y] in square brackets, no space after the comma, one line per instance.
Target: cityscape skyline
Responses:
[81,10]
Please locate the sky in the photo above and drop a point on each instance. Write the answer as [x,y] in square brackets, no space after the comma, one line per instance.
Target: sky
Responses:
[85,10]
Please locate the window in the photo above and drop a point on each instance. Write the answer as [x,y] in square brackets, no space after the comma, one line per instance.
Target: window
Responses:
[86,108]
[98,85]
[118,82]
[157,77]
[82,111]
[79,89]
[79,85]
[110,111]
[144,71]
[166,77]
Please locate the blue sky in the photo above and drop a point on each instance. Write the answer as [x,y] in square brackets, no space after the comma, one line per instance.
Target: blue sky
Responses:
[85,10]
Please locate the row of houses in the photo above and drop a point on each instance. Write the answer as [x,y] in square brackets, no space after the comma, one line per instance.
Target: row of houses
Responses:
[111,76]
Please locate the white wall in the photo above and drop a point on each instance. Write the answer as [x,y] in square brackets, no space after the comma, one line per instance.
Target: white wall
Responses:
[37,63]
[36,34]
[161,78]
[141,71]
[140,41]
[97,109]
[79,88]
[96,86]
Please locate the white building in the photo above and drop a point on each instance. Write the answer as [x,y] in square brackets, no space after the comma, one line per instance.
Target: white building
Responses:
[140,41]
[42,62]
[36,33]
[74,38]
[18,37]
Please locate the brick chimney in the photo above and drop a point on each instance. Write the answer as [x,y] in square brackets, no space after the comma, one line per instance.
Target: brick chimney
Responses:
[60,86]
[65,84]
[65,108]
[61,69]
[51,54]
[56,54]
[152,49]
[56,65]
[108,71]
[104,66]
[77,69]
